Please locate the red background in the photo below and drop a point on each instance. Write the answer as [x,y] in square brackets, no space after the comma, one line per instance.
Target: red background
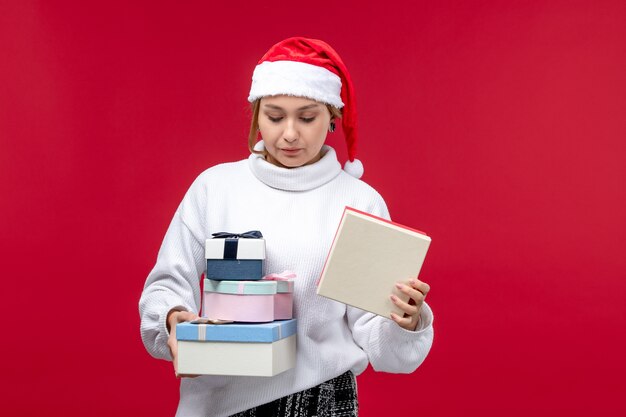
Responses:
[497,127]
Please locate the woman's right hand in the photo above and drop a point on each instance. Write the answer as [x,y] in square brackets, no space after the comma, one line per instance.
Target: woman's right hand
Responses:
[173,318]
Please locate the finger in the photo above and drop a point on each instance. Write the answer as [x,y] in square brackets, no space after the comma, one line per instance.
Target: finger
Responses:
[404,322]
[172,342]
[414,294]
[184,316]
[420,286]
[173,345]
[407,308]
[179,317]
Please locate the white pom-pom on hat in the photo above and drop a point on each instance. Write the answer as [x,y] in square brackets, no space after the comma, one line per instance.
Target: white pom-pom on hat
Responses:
[354,168]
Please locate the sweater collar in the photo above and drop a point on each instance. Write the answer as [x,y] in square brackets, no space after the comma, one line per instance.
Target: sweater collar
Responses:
[302,178]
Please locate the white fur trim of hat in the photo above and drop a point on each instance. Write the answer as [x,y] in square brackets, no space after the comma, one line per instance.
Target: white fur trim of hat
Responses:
[296,79]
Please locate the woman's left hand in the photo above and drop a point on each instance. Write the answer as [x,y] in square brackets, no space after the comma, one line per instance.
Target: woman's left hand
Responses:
[417,291]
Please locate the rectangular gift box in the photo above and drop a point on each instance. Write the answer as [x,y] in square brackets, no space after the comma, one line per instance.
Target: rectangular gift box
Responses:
[235,258]
[236,349]
[369,255]
[248,301]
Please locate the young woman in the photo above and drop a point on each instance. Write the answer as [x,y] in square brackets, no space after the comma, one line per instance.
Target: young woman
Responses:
[293,189]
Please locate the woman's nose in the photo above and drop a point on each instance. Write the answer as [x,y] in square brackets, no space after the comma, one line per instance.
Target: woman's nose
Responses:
[290,134]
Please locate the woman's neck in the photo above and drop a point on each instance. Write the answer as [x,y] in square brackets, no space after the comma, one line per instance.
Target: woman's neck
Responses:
[313,174]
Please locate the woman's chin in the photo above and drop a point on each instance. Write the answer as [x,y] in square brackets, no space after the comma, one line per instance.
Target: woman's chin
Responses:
[292,161]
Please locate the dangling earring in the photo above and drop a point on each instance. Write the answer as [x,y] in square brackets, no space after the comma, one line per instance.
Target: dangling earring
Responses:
[331,128]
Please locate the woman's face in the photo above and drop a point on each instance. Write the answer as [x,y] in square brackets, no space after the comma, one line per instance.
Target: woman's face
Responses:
[293,129]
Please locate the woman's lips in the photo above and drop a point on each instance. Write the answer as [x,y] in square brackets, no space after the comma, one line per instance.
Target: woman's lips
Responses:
[291,151]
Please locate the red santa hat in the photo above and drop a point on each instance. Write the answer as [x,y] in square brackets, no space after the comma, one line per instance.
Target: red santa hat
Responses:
[310,68]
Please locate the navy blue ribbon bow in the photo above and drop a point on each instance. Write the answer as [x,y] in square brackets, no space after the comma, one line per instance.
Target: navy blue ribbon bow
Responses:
[252,234]
[231,241]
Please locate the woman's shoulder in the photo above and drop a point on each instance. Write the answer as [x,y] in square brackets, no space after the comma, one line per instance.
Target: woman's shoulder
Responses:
[212,183]
[217,177]
[361,195]
[358,185]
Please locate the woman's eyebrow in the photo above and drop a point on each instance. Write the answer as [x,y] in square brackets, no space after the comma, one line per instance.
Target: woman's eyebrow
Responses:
[310,106]
[275,107]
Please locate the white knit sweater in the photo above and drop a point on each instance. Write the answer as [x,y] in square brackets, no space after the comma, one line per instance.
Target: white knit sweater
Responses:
[298,211]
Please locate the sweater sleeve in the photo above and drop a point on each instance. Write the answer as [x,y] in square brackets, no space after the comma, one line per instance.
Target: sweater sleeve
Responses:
[389,347]
[173,283]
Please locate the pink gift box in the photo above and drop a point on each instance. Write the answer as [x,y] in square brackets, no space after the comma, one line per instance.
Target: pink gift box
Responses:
[283,300]
[248,301]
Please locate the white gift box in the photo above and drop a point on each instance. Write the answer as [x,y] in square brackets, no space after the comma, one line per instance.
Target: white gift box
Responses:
[236,349]
[232,258]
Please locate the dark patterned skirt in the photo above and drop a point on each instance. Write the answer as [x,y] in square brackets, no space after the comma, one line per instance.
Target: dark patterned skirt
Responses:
[334,398]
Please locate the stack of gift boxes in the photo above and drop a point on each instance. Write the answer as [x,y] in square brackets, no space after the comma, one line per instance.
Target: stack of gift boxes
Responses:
[257,334]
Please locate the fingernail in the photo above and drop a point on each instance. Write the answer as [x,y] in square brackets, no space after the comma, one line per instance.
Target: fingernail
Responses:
[399,286]
[393,298]
[413,281]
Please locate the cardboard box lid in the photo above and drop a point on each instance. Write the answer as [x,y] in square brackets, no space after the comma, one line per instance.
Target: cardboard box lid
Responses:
[237,332]
[241,287]
[246,248]
[368,256]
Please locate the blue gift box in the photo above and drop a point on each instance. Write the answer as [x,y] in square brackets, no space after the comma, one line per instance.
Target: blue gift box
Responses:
[234,269]
[235,257]
[237,332]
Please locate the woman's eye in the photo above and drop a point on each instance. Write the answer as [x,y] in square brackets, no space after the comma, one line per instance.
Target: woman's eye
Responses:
[307,119]
[275,119]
